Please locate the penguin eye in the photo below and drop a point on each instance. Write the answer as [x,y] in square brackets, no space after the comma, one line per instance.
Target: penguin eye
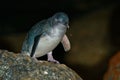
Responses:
[58,20]
[66,23]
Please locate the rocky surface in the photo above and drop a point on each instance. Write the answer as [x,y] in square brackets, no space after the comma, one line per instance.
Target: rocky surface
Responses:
[113,72]
[22,67]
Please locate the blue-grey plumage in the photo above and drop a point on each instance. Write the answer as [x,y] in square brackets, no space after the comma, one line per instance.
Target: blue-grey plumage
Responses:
[46,35]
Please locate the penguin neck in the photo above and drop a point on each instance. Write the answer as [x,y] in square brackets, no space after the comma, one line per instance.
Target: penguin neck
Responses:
[58,30]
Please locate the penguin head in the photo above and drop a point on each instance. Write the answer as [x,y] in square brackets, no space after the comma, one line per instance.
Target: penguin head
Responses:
[60,18]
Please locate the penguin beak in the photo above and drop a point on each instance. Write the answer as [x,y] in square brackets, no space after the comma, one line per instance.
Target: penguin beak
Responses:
[67,26]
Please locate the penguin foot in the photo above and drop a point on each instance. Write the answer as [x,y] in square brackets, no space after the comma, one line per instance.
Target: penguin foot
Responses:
[36,60]
[53,60]
[50,58]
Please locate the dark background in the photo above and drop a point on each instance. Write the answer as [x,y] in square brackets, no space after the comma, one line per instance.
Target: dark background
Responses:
[17,17]
[21,15]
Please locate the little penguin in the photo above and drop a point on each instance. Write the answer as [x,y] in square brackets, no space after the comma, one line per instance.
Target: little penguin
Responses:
[44,37]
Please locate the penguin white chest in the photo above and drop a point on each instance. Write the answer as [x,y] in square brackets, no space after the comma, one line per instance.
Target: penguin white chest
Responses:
[46,44]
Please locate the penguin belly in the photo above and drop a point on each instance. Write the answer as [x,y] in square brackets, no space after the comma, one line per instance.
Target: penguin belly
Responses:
[46,44]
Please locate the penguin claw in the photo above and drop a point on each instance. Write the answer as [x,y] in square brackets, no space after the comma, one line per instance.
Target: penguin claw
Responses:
[54,61]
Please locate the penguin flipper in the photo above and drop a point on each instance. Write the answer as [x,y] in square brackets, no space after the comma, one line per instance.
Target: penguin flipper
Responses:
[66,43]
[36,41]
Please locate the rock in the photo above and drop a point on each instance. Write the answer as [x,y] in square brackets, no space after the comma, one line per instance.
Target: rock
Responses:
[22,67]
[113,72]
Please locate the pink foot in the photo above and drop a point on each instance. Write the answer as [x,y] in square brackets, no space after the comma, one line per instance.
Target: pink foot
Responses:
[51,59]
